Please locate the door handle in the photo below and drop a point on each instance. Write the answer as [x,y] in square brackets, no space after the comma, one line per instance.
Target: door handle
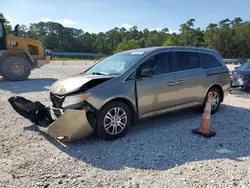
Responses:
[176,82]
[180,82]
[170,83]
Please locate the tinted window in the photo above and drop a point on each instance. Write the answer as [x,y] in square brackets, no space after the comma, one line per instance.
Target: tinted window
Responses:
[1,30]
[33,50]
[160,63]
[208,61]
[187,60]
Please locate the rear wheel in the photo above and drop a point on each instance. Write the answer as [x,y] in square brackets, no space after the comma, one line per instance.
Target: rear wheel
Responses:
[216,100]
[114,120]
[15,68]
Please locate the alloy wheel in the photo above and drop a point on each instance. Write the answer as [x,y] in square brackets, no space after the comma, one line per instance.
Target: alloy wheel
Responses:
[115,121]
[215,100]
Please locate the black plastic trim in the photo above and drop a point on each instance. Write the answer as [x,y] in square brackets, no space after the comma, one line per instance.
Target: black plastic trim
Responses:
[214,73]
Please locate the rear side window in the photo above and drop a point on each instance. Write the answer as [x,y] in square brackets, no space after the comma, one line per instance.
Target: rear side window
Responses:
[1,30]
[187,60]
[208,61]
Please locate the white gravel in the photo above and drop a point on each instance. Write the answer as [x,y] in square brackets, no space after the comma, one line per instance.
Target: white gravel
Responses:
[160,152]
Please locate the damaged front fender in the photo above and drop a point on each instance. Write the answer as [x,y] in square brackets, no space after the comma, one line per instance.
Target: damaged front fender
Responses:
[71,125]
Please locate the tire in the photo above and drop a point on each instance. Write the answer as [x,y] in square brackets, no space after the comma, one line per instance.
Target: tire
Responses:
[216,92]
[106,134]
[22,72]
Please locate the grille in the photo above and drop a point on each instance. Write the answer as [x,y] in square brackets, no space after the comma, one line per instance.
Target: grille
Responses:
[56,100]
[247,77]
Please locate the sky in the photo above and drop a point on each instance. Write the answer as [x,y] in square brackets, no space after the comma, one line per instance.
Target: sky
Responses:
[103,15]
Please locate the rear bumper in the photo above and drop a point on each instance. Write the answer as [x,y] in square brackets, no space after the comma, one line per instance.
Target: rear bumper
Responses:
[70,125]
[226,90]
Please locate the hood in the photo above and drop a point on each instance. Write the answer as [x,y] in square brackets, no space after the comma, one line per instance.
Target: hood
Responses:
[79,82]
[241,72]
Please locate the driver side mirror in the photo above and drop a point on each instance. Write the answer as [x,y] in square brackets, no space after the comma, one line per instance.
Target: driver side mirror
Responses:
[146,73]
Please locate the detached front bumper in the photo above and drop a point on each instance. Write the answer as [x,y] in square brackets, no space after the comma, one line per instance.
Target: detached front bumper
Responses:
[71,125]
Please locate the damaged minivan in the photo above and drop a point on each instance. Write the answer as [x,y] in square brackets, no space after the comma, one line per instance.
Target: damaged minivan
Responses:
[109,97]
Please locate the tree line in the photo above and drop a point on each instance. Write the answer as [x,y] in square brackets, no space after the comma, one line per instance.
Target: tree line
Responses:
[230,37]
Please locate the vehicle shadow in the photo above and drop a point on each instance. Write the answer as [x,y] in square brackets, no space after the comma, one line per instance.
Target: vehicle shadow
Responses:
[167,141]
[27,86]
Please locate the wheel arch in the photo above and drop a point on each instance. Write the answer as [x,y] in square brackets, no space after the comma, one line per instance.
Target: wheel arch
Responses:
[127,102]
[25,54]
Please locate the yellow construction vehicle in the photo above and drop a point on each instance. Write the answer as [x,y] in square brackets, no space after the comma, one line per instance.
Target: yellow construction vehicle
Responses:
[20,55]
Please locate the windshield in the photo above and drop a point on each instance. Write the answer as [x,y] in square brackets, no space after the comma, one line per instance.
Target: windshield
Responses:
[115,64]
[245,66]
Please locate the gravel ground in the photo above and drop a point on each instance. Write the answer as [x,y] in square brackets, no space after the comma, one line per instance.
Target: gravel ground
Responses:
[159,152]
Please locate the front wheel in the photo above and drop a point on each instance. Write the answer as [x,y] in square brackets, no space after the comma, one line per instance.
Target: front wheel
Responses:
[114,120]
[216,100]
[15,68]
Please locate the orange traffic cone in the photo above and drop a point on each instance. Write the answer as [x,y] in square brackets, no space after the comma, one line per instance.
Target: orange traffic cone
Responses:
[204,129]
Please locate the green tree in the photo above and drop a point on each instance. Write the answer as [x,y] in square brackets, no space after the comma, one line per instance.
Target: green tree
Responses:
[155,38]
[236,22]
[172,40]
[127,45]
[8,27]
[242,40]
[230,37]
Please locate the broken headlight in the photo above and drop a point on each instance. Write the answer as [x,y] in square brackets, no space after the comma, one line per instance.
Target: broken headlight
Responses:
[74,99]
[238,76]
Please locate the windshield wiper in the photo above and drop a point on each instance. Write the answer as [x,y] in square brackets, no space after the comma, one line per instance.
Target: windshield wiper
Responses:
[100,73]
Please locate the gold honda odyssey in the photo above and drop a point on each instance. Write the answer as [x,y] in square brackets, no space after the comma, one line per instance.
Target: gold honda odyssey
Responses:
[113,94]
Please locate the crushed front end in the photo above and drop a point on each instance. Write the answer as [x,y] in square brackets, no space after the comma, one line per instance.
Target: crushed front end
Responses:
[66,124]
[70,116]
[240,82]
